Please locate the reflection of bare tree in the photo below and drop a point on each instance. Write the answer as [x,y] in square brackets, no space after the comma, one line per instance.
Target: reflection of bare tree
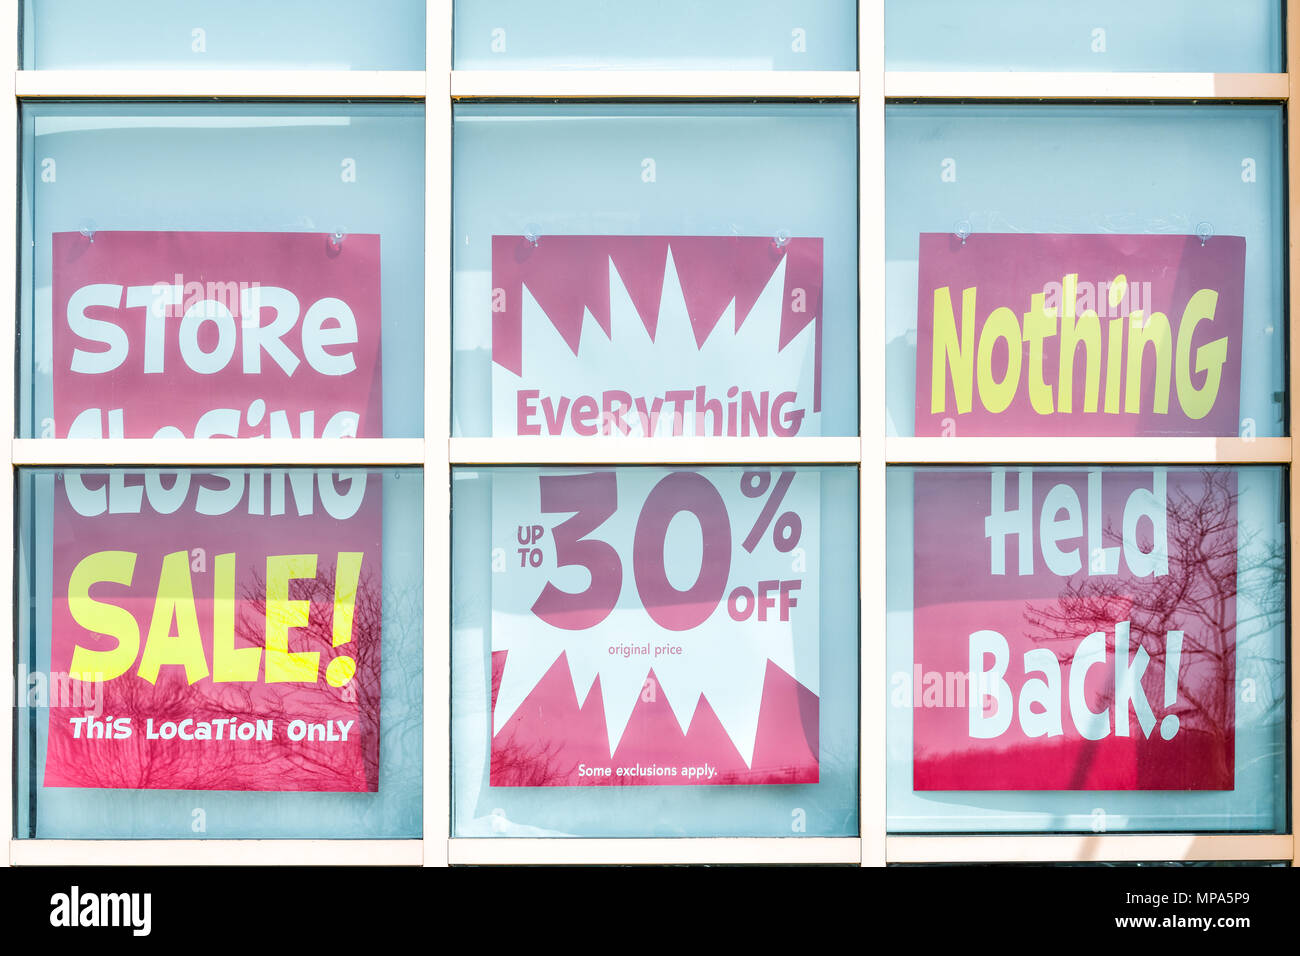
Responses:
[523,763]
[280,763]
[535,764]
[359,698]
[1199,595]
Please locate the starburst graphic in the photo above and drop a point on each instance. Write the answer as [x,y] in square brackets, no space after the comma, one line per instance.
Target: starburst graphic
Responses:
[657,337]
[698,336]
[721,660]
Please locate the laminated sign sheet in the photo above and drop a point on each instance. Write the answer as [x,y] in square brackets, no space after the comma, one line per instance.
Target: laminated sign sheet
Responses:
[656,626]
[222,627]
[1089,641]
[1029,334]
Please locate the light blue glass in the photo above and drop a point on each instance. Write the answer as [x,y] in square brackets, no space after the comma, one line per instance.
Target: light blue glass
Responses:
[223,35]
[302,168]
[753,170]
[1258,800]
[394,811]
[1090,170]
[1187,36]
[479,809]
[671,35]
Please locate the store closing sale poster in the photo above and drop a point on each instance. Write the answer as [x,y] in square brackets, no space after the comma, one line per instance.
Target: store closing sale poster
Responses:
[224,625]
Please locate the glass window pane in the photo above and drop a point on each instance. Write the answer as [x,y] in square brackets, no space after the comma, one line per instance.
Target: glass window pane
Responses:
[233,654]
[236,270]
[681,647]
[670,35]
[1189,36]
[1144,242]
[223,35]
[613,274]
[1088,650]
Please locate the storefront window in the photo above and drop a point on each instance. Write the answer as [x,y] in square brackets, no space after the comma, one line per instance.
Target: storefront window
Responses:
[674,35]
[1144,243]
[223,35]
[612,257]
[1110,656]
[233,654]
[1202,36]
[683,430]
[232,271]
[654,652]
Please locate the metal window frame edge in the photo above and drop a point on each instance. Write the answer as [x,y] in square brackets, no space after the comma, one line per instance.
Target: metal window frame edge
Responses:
[438,85]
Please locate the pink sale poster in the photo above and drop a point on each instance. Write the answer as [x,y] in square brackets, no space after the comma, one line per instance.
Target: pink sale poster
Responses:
[224,627]
[216,334]
[1028,334]
[1088,641]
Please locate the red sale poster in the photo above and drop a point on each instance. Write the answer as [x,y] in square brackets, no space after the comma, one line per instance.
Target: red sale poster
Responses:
[1074,630]
[1030,334]
[216,334]
[228,622]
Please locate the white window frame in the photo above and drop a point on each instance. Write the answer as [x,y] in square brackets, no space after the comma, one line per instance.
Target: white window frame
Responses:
[437,87]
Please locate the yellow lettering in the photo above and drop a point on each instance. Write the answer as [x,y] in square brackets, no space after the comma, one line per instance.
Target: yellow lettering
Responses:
[1069,295]
[346,576]
[175,599]
[950,352]
[1114,354]
[1154,331]
[1087,331]
[1002,324]
[1197,402]
[115,567]
[1040,323]
[229,663]
[281,614]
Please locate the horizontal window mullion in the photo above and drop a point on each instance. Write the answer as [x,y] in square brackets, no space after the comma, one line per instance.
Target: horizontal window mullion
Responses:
[1088,86]
[1082,450]
[259,84]
[636,451]
[152,452]
[677,850]
[654,84]
[1099,848]
[215,852]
